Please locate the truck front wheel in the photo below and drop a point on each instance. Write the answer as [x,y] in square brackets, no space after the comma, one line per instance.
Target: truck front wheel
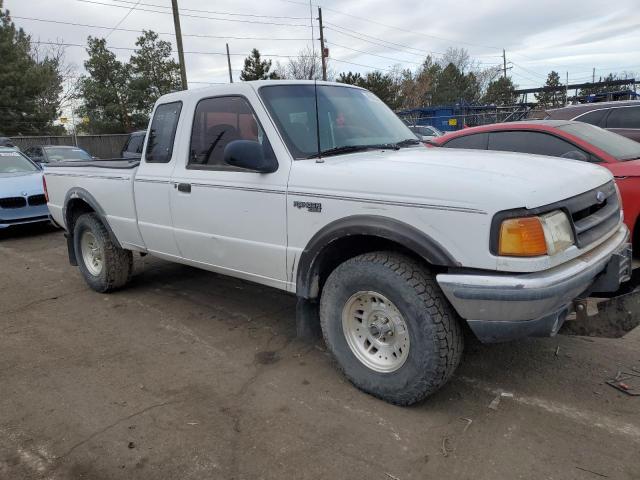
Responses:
[104,265]
[390,328]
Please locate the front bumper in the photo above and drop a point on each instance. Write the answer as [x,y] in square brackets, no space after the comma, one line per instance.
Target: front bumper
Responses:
[500,307]
[24,215]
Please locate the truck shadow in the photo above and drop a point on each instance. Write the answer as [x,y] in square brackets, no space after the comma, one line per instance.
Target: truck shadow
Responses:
[248,308]
[29,230]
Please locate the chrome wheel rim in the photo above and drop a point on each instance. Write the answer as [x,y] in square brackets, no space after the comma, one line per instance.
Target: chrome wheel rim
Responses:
[91,253]
[375,331]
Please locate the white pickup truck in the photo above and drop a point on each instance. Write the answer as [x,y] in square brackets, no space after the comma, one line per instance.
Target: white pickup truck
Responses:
[321,191]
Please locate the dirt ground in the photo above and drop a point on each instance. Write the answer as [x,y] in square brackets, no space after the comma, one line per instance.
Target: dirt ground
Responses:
[190,375]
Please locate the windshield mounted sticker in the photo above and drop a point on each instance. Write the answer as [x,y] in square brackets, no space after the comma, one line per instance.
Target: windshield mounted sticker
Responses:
[310,206]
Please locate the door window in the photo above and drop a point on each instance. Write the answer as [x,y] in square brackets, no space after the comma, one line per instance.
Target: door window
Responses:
[624,117]
[162,133]
[217,122]
[476,142]
[535,142]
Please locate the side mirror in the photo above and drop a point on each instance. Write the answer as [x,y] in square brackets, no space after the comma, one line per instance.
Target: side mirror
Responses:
[576,155]
[250,155]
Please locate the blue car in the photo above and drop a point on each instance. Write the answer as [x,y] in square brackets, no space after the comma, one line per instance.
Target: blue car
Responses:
[22,198]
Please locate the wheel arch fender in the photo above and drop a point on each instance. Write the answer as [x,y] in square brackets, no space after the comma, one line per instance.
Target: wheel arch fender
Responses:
[322,246]
[79,198]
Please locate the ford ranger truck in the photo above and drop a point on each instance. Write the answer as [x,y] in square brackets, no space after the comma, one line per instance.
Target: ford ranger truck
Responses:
[318,189]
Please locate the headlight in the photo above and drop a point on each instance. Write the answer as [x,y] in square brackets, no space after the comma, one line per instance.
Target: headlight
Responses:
[546,234]
[557,231]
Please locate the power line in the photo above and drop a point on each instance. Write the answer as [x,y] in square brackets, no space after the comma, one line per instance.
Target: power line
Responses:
[59,22]
[216,12]
[361,65]
[190,52]
[353,33]
[372,54]
[123,18]
[529,71]
[375,22]
[198,16]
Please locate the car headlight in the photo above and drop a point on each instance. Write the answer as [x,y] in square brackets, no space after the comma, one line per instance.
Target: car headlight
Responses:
[546,234]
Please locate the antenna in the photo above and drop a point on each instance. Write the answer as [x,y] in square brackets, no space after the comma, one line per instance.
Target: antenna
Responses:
[315,92]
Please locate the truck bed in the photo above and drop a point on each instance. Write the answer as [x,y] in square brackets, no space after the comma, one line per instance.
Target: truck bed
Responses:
[107,185]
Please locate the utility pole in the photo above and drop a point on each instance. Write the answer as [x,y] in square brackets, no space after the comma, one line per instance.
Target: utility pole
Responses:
[504,63]
[176,24]
[566,91]
[593,79]
[229,64]
[322,50]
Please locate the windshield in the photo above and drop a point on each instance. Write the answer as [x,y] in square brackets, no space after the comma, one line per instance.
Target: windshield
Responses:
[622,148]
[349,118]
[14,162]
[58,154]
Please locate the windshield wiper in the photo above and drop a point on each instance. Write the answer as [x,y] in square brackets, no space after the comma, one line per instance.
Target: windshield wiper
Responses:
[355,148]
[408,141]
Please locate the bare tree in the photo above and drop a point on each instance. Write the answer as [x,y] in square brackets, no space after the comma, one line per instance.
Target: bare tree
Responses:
[306,66]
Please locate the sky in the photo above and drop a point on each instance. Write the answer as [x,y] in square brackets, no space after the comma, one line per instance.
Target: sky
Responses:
[362,35]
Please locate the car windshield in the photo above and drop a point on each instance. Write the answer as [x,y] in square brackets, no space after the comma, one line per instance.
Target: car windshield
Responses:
[351,119]
[58,154]
[620,147]
[14,162]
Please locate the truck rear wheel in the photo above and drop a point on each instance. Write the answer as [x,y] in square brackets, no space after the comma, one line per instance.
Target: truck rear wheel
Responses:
[390,328]
[104,265]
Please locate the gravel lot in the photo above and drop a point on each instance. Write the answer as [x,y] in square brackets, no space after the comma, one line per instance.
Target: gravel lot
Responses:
[190,375]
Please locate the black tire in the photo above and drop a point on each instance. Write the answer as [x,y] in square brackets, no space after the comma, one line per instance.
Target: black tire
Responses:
[435,333]
[117,263]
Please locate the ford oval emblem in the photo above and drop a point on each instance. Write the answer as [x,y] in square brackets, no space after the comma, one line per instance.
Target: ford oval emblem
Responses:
[600,197]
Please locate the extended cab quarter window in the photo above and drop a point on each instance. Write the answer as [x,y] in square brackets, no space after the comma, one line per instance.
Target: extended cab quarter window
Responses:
[624,117]
[217,122]
[135,144]
[162,133]
[595,117]
[477,141]
[538,143]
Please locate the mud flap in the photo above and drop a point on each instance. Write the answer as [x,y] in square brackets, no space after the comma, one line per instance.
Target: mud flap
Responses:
[71,251]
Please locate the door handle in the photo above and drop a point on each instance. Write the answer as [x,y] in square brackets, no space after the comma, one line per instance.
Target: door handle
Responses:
[184,187]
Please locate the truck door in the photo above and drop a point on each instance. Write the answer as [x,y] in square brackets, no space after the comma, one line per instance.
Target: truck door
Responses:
[152,185]
[231,219]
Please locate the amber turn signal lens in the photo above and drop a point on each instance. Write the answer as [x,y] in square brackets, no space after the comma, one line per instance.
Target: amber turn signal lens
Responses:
[522,237]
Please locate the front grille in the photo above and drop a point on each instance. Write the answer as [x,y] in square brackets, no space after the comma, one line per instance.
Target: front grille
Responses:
[37,200]
[592,218]
[13,202]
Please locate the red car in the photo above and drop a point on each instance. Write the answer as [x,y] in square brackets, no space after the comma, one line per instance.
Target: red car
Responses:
[566,139]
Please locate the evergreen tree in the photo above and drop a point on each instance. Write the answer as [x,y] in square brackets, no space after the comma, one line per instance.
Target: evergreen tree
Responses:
[153,72]
[107,99]
[350,78]
[30,86]
[257,69]
[501,92]
[118,96]
[554,96]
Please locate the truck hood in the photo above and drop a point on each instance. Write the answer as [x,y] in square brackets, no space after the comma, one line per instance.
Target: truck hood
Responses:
[19,184]
[478,179]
